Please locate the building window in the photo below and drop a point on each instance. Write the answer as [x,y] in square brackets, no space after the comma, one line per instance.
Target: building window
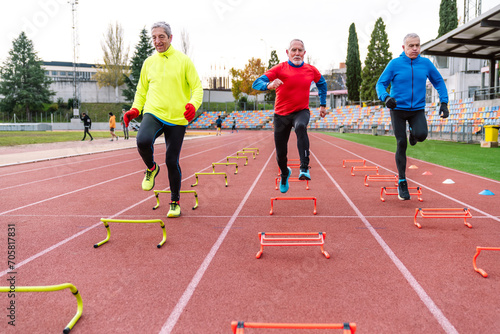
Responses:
[62,73]
[54,73]
[472,90]
[441,62]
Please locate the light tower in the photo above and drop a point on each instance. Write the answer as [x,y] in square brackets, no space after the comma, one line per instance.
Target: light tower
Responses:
[472,9]
[76,74]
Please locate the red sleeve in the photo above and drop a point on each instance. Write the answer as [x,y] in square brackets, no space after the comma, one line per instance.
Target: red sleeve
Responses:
[274,72]
[317,75]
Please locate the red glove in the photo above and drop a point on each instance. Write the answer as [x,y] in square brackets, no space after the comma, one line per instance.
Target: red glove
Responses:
[130,115]
[190,112]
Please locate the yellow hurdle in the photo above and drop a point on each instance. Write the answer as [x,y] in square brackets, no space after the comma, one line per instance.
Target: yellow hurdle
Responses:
[251,149]
[158,192]
[226,164]
[244,152]
[196,175]
[106,221]
[238,157]
[47,288]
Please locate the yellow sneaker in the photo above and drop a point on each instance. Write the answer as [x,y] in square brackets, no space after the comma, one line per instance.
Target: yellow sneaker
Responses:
[175,210]
[149,179]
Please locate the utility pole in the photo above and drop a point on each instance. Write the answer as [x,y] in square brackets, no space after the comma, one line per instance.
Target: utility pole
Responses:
[76,74]
[472,9]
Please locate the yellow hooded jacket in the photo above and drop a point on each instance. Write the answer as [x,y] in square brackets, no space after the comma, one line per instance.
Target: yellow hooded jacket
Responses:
[168,82]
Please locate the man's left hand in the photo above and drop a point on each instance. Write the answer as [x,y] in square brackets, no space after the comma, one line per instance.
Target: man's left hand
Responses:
[190,112]
[443,110]
[322,112]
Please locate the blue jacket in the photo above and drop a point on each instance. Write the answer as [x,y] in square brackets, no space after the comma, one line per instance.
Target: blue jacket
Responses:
[408,78]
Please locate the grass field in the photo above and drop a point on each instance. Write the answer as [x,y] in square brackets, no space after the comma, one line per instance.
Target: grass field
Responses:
[12,138]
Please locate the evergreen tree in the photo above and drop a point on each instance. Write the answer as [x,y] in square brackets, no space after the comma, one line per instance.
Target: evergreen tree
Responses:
[273,61]
[448,17]
[22,79]
[376,60]
[143,50]
[353,65]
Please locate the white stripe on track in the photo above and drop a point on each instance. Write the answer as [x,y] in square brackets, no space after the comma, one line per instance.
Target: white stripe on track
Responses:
[429,303]
[186,296]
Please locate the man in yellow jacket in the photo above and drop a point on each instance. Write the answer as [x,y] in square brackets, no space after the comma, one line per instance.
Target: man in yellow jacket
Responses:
[169,92]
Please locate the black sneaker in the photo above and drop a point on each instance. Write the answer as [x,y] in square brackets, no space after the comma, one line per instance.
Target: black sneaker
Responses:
[412,139]
[403,193]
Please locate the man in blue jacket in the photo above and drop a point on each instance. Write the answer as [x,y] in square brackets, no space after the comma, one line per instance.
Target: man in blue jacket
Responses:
[407,76]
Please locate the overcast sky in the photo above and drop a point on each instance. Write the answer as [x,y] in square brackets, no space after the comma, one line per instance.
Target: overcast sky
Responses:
[222,32]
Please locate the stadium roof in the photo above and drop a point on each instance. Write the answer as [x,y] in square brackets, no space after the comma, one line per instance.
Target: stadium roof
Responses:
[478,38]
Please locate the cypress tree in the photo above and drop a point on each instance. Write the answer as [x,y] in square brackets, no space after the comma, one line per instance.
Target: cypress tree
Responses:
[448,17]
[353,65]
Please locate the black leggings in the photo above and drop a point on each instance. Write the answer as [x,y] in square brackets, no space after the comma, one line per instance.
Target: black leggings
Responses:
[282,128]
[151,128]
[85,131]
[418,124]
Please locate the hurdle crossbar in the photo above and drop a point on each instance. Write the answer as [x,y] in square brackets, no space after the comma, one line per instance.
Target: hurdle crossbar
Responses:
[443,213]
[221,173]
[158,192]
[292,199]
[292,239]
[49,288]
[364,169]
[478,251]
[291,179]
[244,152]
[383,190]
[380,178]
[353,161]
[251,149]
[238,157]
[152,221]
[238,327]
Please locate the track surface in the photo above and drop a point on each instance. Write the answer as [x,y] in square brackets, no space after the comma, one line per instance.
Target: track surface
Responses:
[384,273]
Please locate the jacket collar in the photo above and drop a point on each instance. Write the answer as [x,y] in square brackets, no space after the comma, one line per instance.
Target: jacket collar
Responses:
[408,59]
[170,51]
[293,65]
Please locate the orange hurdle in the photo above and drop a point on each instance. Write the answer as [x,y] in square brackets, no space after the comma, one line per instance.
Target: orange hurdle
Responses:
[238,327]
[292,179]
[383,191]
[347,160]
[292,199]
[289,165]
[478,251]
[443,213]
[319,241]
[364,168]
[380,178]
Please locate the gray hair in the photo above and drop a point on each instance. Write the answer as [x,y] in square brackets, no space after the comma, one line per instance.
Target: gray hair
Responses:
[164,25]
[410,35]
[296,40]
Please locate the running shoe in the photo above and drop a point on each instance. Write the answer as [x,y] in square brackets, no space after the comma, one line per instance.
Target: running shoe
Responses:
[304,174]
[149,179]
[413,140]
[175,210]
[403,193]
[284,181]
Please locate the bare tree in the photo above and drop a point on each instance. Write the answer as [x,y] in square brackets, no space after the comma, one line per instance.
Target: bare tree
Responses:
[114,68]
[185,44]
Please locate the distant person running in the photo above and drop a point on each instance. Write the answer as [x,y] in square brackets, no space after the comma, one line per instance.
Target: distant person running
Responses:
[170,91]
[234,125]
[112,126]
[125,127]
[87,124]
[407,76]
[292,81]
[218,122]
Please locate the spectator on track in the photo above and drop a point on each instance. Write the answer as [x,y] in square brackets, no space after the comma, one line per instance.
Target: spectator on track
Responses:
[292,81]
[234,126]
[169,103]
[218,122]
[125,127]
[407,76]
[112,126]
[87,124]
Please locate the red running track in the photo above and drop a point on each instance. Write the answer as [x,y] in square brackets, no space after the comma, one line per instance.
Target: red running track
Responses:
[384,274]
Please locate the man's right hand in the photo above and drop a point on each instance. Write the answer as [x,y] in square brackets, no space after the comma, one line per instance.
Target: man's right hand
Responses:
[130,115]
[274,84]
[390,102]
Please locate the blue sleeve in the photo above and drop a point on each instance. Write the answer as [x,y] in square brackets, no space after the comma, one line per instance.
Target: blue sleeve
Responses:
[383,82]
[322,87]
[438,82]
[261,83]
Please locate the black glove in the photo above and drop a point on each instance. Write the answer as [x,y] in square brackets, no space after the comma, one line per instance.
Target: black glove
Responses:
[443,110]
[390,102]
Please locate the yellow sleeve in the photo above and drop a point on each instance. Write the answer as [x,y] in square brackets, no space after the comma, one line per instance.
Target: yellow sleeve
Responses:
[142,88]
[195,84]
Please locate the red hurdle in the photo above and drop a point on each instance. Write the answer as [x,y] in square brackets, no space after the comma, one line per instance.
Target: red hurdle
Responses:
[380,178]
[238,327]
[292,199]
[292,179]
[478,251]
[364,168]
[292,240]
[383,191]
[443,213]
[353,161]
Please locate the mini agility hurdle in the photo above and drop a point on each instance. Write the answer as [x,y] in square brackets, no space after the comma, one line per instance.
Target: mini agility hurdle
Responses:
[238,327]
[297,166]
[292,239]
[152,221]
[478,251]
[224,164]
[353,161]
[244,152]
[291,179]
[380,178]
[443,213]
[251,149]
[238,157]
[383,191]
[292,199]
[49,288]
[221,173]
[158,192]
[364,169]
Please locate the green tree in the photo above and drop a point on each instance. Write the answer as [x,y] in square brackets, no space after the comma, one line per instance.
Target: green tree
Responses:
[114,70]
[143,50]
[273,61]
[353,65]
[448,17]
[22,79]
[242,80]
[376,60]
